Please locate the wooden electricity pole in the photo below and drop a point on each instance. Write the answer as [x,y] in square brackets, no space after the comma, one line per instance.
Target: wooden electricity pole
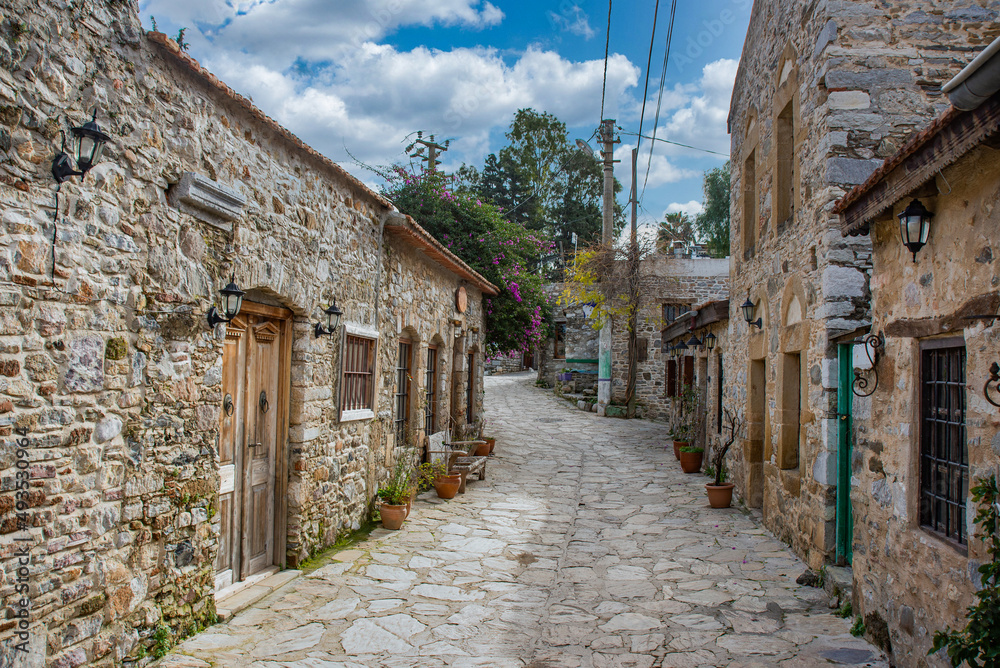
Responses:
[433,149]
[604,342]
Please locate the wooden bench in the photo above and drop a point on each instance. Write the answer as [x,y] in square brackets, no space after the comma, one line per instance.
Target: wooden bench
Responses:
[459,459]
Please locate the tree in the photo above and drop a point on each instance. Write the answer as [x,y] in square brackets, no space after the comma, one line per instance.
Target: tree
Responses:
[713,223]
[676,227]
[545,183]
[502,251]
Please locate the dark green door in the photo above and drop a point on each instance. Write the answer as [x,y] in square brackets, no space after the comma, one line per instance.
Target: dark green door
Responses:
[845,396]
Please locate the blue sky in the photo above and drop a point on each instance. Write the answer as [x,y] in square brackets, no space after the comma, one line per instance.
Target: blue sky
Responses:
[360,76]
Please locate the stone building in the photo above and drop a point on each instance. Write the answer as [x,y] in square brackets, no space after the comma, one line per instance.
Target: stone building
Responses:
[167,459]
[931,429]
[670,287]
[572,347]
[825,92]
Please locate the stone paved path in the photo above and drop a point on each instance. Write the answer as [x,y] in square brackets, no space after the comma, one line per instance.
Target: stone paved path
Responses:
[586,546]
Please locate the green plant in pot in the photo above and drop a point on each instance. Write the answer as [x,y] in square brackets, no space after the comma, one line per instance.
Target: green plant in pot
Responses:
[720,492]
[689,422]
[691,456]
[435,474]
[395,492]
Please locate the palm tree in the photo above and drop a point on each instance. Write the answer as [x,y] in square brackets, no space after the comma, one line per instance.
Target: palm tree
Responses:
[677,227]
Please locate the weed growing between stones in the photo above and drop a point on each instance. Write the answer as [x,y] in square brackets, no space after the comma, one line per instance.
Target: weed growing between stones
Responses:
[345,540]
[979,642]
[858,629]
[845,611]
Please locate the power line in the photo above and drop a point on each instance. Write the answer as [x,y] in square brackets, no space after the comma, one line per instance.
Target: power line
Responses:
[659,97]
[645,88]
[607,44]
[667,141]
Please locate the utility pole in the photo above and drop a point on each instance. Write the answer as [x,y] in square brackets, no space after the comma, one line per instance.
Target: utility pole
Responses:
[604,342]
[433,148]
[633,294]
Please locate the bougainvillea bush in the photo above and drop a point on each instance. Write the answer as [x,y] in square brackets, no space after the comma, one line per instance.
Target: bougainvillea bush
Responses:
[505,253]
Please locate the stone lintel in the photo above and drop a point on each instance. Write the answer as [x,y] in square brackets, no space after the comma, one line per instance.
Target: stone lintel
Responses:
[986,304]
[207,200]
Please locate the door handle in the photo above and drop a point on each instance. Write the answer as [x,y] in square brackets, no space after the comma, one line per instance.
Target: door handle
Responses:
[254,445]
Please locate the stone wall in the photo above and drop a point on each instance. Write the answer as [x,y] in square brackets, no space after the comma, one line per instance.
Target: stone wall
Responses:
[664,280]
[824,92]
[957,264]
[109,369]
[580,344]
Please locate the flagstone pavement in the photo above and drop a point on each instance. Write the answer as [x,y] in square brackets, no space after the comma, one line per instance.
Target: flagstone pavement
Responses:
[585,546]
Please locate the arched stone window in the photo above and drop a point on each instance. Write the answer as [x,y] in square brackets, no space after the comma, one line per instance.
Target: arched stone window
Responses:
[748,180]
[786,126]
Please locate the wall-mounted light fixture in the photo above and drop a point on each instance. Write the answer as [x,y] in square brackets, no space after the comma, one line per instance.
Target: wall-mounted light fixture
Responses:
[232,300]
[874,347]
[680,347]
[915,226]
[693,342]
[710,340]
[748,308]
[994,380]
[332,317]
[88,146]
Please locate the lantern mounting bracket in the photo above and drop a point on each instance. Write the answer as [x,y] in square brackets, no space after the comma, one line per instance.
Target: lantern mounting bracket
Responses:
[874,344]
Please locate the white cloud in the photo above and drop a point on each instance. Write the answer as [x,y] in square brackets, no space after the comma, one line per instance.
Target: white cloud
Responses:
[700,120]
[692,208]
[572,20]
[661,169]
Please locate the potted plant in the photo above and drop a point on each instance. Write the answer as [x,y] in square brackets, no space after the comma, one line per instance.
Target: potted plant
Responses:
[720,493]
[394,494]
[689,420]
[435,474]
[691,456]
[484,425]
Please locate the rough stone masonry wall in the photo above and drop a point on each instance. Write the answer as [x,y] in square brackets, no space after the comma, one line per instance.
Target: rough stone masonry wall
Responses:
[860,76]
[957,264]
[110,370]
[665,279]
[581,339]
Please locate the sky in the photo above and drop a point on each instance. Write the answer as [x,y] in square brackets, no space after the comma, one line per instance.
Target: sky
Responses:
[356,79]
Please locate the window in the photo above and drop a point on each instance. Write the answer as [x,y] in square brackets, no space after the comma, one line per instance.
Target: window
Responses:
[642,349]
[791,409]
[559,352]
[671,378]
[357,386]
[784,174]
[470,392]
[430,389]
[749,204]
[673,311]
[944,455]
[718,398]
[403,390]
[688,372]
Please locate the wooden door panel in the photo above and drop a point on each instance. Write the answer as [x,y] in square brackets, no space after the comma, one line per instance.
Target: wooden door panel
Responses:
[231,435]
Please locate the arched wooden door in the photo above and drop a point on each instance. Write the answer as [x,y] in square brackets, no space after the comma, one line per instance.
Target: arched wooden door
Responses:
[252,442]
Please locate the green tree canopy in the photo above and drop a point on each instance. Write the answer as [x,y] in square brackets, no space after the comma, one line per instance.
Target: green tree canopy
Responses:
[713,223]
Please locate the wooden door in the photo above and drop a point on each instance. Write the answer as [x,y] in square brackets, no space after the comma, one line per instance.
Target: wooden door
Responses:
[253,431]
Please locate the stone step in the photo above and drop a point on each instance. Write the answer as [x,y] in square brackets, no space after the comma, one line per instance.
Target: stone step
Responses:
[839,582]
[244,598]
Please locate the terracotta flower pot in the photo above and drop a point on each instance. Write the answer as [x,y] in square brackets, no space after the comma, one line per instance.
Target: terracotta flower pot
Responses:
[393,516]
[677,448]
[691,461]
[482,448]
[406,502]
[720,496]
[447,486]
[492,442]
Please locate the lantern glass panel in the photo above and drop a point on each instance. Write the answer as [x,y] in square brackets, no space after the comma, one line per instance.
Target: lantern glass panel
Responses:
[233,303]
[748,308]
[86,148]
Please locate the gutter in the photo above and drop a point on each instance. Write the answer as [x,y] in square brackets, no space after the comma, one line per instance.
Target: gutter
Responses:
[978,81]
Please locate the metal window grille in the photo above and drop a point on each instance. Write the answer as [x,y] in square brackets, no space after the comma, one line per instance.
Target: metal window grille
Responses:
[402,390]
[358,373]
[718,398]
[470,390]
[671,378]
[430,387]
[944,455]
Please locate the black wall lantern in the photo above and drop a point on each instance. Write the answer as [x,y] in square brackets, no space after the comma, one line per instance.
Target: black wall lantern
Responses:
[332,320]
[693,342]
[710,340]
[680,347]
[232,300]
[915,226]
[748,308]
[88,146]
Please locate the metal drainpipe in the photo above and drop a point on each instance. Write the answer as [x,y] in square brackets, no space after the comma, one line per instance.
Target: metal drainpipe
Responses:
[391,213]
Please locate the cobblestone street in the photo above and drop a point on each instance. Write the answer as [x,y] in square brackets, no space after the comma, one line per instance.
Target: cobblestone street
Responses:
[585,546]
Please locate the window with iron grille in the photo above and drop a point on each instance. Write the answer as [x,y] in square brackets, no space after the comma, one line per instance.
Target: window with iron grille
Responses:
[470,404]
[944,455]
[357,386]
[403,390]
[718,397]
[671,378]
[559,352]
[430,389]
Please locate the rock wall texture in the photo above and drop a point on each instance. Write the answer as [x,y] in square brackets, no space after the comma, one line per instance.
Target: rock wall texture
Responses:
[110,379]
[825,91]
[580,339]
[665,280]
[957,264]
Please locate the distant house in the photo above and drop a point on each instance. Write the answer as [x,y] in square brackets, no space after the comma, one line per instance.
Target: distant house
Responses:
[931,429]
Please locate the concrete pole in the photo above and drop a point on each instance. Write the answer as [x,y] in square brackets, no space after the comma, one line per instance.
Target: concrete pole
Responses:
[633,293]
[604,342]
